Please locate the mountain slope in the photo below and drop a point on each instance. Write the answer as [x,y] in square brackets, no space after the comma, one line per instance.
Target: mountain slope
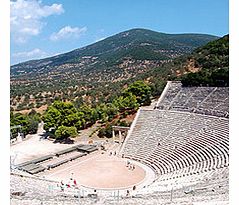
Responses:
[213,61]
[114,59]
[137,44]
[207,65]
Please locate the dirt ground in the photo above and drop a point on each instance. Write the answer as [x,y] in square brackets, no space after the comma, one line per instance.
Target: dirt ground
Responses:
[40,110]
[34,147]
[95,170]
[100,171]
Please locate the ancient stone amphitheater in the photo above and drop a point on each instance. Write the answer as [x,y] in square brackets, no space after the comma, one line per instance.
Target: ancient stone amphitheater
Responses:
[184,140]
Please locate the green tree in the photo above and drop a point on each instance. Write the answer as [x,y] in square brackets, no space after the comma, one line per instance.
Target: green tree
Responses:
[157,87]
[102,112]
[90,114]
[60,113]
[29,123]
[112,111]
[20,119]
[126,102]
[106,112]
[106,131]
[64,132]
[33,126]
[71,119]
[52,118]
[65,108]
[33,120]
[220,77]
[141,90]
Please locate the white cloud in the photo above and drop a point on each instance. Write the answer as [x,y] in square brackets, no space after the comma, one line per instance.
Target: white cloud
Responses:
[68,32]
[27,18]
[35,53]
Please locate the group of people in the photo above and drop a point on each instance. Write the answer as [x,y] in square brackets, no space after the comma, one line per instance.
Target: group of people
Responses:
[113,153]
[71,184]
[130,165]
[128,193]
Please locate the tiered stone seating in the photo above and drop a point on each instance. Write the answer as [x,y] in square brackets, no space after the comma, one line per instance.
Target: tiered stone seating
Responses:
[180,143]
[202,100]
[171,90]
[33,190]
[209,187]
[214,191]
[185,141]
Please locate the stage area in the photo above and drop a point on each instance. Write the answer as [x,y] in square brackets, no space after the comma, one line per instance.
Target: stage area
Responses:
[100,171]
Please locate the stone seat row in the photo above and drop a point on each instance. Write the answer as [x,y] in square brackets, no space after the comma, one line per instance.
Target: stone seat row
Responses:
[196,143]
[204,100]
[169,161]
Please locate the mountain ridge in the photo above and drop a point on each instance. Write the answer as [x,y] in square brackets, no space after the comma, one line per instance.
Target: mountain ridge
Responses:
[135,37]
[118,58]
[130,30]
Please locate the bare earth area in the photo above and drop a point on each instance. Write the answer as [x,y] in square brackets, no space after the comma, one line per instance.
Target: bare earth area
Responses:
[100,171]
[34,147]
[39,110]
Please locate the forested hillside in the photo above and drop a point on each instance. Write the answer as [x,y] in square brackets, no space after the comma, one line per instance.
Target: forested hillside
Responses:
[65,119]
[213,63]
[206,66]
[84,73]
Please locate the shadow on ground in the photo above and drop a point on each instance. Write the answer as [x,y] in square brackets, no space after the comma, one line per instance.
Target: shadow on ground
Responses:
[51,137]
[64,141]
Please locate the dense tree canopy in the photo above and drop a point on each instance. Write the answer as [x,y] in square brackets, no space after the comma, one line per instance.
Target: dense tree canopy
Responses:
[64,119]
[216,78]
[126,102]
[28,122]
[213,59]
[141,90]
[63,132]
[52,118]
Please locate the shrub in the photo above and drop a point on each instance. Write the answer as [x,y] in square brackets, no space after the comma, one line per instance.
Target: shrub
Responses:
[64,132]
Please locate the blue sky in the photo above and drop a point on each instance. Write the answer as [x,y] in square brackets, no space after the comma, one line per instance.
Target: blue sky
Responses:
[49,27]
